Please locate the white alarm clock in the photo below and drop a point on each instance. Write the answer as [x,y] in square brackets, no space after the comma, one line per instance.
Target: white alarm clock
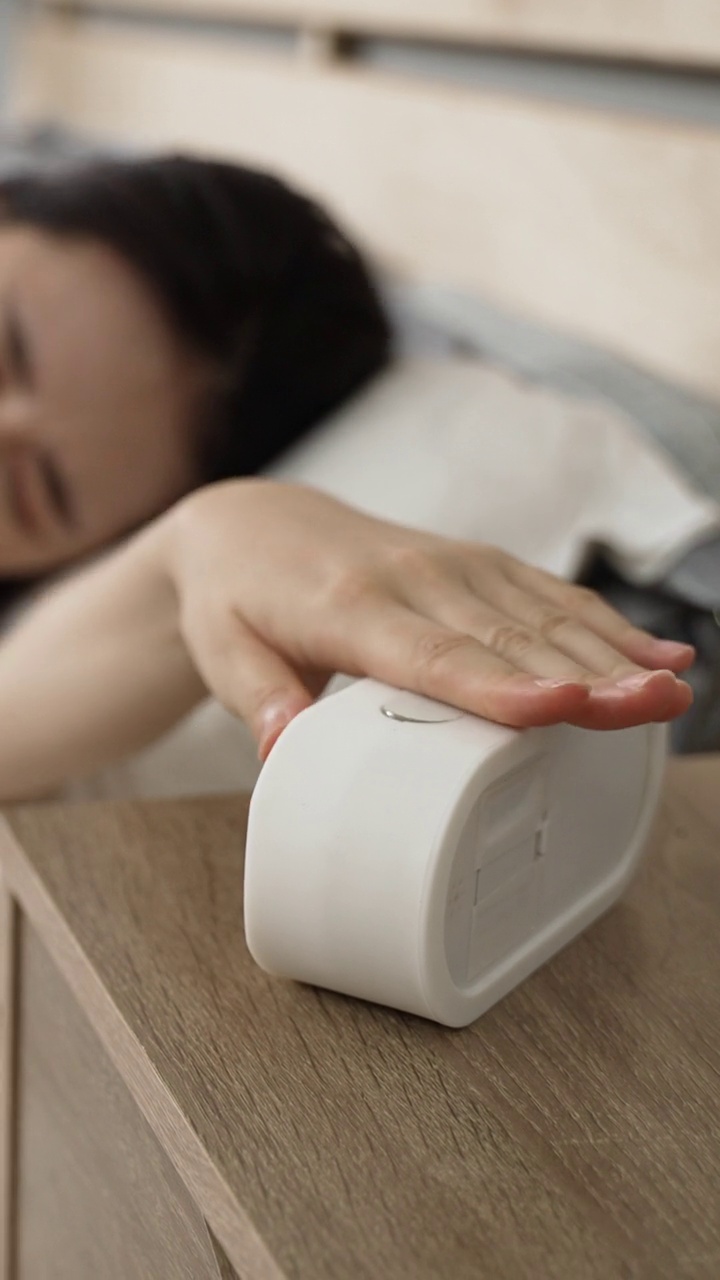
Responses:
[405,852]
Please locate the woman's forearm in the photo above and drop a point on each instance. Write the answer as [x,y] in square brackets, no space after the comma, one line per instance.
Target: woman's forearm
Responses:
[95,670]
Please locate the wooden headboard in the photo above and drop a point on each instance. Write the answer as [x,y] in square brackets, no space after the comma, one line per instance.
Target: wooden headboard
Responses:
[602,220]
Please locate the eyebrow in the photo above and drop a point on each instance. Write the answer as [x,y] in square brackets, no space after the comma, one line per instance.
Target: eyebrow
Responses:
[17,346]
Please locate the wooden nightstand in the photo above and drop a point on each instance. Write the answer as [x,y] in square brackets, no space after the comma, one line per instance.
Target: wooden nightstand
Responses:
[169,1111]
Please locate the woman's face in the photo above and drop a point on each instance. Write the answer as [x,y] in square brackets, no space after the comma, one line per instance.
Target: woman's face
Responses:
[96,395]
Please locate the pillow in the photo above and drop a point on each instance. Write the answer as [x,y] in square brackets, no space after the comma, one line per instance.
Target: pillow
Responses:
[471,451]
[432,318]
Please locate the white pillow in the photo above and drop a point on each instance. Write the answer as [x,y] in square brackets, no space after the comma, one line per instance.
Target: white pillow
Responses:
[470,451]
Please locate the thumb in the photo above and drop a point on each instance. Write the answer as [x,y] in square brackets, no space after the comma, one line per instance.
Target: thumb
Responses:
[251,679]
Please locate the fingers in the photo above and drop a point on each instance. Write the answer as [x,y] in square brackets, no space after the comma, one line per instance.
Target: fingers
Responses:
[248,677]
[652,696]
[395,644]
[620,694]
[599,618]
[528,683]
[540,623]
[541,636]
[513,633]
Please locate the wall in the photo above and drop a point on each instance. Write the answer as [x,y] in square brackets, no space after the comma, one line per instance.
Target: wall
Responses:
[8,14]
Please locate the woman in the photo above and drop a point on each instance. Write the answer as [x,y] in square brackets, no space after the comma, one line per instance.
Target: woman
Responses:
[166,325]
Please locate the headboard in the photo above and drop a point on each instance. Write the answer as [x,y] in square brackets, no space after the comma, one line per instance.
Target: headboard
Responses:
[595,210]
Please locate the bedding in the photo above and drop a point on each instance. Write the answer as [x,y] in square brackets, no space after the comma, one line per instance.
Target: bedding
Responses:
[423,445]
[436,319]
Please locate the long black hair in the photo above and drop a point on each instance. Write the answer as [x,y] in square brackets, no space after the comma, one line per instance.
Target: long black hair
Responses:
[252,274]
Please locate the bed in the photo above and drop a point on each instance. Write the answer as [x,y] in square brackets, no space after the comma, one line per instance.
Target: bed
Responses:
[537,180]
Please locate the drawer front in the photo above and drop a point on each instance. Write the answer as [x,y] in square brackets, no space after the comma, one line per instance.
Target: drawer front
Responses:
[96,1196]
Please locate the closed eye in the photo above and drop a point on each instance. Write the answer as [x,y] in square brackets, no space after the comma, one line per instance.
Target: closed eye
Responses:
[17,347]
[19,367]
[35,490]
[22,509]
[58,490]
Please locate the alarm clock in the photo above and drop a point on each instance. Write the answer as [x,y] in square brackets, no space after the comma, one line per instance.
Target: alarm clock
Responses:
[408,853]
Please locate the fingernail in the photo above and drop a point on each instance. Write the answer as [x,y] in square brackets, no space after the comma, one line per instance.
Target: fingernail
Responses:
[274,719]
[674,648]
[640,680]
[560,684]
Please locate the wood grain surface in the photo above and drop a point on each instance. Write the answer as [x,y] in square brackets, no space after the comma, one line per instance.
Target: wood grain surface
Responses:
[97,1197]
[573,1132]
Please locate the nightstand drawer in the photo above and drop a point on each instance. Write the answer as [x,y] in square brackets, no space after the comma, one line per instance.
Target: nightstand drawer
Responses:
[96,1196]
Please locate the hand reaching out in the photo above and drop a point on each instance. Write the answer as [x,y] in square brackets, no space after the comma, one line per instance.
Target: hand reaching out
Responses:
[279,586]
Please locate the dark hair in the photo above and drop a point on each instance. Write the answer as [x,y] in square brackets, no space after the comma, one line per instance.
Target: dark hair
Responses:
[253,275]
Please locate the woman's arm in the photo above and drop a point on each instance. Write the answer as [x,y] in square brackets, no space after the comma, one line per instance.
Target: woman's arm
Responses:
[95,670]
[257,591]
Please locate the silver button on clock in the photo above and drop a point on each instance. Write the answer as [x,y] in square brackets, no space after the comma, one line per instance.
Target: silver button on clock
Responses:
[413,708]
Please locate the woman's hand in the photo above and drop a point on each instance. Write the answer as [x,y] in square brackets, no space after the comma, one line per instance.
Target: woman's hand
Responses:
[279,587]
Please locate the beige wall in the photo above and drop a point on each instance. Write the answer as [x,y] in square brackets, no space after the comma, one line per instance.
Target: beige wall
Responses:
[8,9]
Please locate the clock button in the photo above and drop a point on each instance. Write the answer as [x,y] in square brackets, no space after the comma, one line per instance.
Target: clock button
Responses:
[414,709]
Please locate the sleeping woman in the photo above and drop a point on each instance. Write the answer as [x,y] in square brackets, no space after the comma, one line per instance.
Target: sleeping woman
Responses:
[168,327]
